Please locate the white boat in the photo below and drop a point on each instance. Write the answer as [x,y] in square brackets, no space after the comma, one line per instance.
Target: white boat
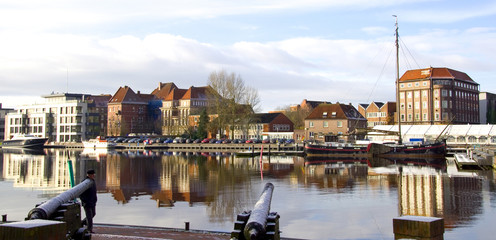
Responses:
[98,143]
[24,141]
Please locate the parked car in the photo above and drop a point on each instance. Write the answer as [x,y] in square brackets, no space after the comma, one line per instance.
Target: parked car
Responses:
[205,140]
[197,141]
[266,141]
[168,140]
[290,141]
[213,140]
[226,140]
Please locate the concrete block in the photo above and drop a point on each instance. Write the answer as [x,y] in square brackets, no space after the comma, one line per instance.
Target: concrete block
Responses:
[33,230]
[418,226]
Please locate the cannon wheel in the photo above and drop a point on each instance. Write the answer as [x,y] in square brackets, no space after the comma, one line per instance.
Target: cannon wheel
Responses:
[82,234]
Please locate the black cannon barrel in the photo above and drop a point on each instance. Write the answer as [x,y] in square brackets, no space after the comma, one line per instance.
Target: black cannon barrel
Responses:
[255,227]
[45,210]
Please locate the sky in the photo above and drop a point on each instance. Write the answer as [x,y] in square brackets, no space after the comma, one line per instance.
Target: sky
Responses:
[288,50]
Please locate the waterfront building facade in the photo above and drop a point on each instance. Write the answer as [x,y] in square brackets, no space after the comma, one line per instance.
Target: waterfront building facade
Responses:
[487,108]
[180,107]
[3,114]
[62,117]
[130,112]
[438,96]
[333,123]
[266,126]
[378,113]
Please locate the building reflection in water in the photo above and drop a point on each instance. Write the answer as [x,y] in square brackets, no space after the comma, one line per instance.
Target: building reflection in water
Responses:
[220,180]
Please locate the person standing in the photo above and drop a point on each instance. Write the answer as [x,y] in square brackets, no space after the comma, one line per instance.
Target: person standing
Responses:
[88,198]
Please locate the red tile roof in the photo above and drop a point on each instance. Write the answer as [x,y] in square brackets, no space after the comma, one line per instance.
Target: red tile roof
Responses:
[164,89]
[127,95]
[175,94]
[196,93]
[435,73]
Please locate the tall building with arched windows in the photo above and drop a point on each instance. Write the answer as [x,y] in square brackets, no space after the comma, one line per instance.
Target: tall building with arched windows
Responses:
[438,96]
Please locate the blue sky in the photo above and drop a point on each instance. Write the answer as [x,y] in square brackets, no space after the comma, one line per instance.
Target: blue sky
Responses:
[332,50]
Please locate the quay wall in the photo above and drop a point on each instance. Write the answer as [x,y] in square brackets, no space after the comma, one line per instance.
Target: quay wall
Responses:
[229,147]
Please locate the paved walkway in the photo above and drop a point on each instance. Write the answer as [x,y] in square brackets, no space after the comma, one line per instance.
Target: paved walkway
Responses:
[122,232]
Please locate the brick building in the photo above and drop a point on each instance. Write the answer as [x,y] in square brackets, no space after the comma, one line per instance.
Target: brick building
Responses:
[378,113]
[334,122]
[438,96]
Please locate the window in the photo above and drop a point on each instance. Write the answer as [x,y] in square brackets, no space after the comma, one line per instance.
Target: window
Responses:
[424,104]
[326,124]
[310,124]
[340,124]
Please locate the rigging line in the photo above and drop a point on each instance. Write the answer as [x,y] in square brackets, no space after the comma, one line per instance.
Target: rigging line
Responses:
[368,67]
[380,75]
[408,50]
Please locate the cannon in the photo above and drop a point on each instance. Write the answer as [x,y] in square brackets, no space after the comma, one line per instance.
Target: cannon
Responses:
[64,208]
[258,223]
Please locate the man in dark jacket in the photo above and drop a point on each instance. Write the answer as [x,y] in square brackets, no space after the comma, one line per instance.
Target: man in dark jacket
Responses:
[88,198]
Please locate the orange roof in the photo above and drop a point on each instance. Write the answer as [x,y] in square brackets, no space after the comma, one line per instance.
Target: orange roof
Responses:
[175,94]
[435,73]
[196,93]
[126,94]
[164,89]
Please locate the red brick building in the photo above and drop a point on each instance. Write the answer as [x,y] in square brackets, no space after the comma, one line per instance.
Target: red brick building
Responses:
[438,96]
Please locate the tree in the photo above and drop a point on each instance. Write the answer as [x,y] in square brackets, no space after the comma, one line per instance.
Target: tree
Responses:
[297,116]
[231,99]
[202,125]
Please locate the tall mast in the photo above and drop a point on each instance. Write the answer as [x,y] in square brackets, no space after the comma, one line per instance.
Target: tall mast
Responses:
[398,82]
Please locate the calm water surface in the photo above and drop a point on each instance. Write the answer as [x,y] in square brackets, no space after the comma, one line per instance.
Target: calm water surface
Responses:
[316,198]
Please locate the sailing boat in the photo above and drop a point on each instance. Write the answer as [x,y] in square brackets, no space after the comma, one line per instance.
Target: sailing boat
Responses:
[436,149]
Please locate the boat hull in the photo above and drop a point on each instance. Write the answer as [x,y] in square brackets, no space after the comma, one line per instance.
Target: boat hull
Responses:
[315,150]
[25,143]
[437,149]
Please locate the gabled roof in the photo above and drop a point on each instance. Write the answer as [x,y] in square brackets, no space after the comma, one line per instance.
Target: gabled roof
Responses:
[266,117]
[335,111]
[175,94]
[196,93]
[127,95]
[164,89]
[363,105]
[435,73]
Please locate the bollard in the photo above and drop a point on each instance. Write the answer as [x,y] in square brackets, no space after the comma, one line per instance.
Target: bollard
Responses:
[256,226]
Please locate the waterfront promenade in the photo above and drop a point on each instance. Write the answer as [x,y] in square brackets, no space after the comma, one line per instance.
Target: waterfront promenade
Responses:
[121,232]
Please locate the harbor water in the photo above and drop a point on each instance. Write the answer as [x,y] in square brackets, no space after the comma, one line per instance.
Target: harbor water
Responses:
[325,198]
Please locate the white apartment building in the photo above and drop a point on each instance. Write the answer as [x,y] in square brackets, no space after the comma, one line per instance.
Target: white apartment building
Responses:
[62,117]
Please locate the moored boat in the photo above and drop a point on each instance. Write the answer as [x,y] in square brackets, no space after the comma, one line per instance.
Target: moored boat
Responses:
[24,141]
[336,149]
[98,143]
[432,150]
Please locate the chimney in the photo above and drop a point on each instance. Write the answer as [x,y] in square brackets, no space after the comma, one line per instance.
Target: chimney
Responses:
[160,86]
[138,92]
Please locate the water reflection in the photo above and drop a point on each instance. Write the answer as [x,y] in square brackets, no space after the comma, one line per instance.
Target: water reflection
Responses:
[224,183]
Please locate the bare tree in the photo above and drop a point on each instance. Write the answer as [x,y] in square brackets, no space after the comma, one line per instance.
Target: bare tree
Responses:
[231,99]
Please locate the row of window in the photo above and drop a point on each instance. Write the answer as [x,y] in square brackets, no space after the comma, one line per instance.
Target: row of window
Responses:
[325,124]
[471,139]
[376,114]
[441,82]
